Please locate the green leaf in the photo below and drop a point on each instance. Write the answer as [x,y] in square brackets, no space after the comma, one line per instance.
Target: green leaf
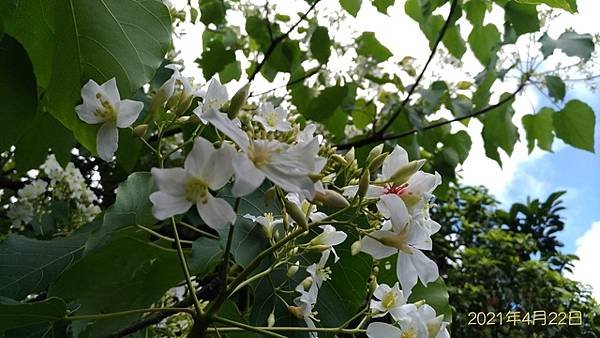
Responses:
[206,255]
[99,40]
[127,273]
[18,92]
[351,6]
[28,265]
[484,41]
[538,127]
[523,17]
[369,46]
[286,57]
[43,133]
[570,6]
[571,43]
[556,87]
[258,30]
[499,130]
[232,71]
[575,124]
[214,58]
[324,105]
[436,295]
[133,197]
[485,80]
[212,11]
[14,314]
[475,10]
[454,41]
[383,5]
[320,44]
[460,142]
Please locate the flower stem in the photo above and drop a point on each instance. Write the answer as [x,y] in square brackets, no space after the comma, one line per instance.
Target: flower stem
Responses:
[245,327]
[186,271]
[129,312]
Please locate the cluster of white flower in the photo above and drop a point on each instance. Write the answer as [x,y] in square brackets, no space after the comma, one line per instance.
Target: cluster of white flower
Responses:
[296,162]
[68,184]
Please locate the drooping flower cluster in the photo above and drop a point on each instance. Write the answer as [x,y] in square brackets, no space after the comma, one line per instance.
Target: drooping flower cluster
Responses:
[52,186]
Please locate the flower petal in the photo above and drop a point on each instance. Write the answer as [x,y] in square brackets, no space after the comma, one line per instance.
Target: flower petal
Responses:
[393,162]
[85,112]
[374,248]
[393,207]
[171,180]
[219,168]
[129,111]
[110,89]
[426,269]
[107,141]
[165,205]
[247,177]
[406,272]
[216,212]
[226,126]
[381,291]
[199,157]
[383,330]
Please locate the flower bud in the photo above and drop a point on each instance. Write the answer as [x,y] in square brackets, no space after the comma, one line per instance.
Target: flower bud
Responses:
[319,247]
[363,184]
[183,119]
[377,161]
[373,283]
[296,214]
[331,199]
[237,101]
[374,153]
[271,320]
[316,177]
[140,130]
[406,171]
[355,248]
[339,159]
[350,155]
[291,271]
[270,195]
[161,96]
[296,311]
[307,283]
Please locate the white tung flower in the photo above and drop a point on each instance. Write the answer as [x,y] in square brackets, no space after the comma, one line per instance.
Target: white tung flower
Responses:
[435,324]
[267,221]
[213,98]
[326,240]
[33,190]
[413,327]
[177,89]
[407,240]
[390,300]
[287,166]
[272,119]
[103,104]
[179,188]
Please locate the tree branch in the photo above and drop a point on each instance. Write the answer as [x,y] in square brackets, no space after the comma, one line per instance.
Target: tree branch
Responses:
[416,84]
[290,83]
[381,138]
[275,42]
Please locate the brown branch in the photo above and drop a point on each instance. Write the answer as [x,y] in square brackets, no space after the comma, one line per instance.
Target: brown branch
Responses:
[381,138]
[412,89]
[275,42]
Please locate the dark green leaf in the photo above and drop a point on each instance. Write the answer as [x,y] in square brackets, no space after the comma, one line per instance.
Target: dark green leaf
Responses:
[571,43]
[499,130]
[351,6]
[320,44]
[369,46]
[570,6]
[484,41]
[538,127]
[232,71]
[336,124]
[436,295]
[556,87]
[485,80]
[18,92]
[28,265]
[476,12]
[460,142]
[575,124]
[523,17]
[206,255]
[14,314]
[286,57]
[125,39]
[383,5]
[258,30]
[454,41]
[214,58]
[212,11]
[324,105]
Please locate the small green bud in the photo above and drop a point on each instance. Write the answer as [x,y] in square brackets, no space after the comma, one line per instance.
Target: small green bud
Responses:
[374,153]
[307,283]
[159,99]
[350,155]
[339,159]
[355,248]
[331,199]
[373,283]
[319,247]
[140,130]
[406,171]
[238,100]
[363,184]
[271,320]
[296,214]
[270,195]
[182,119]
[377,161]
[291,271]
[296,311]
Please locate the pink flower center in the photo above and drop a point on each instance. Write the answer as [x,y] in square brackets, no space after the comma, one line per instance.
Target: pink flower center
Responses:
[399,190]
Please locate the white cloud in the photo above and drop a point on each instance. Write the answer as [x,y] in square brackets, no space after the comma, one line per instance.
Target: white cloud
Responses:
[588,250]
